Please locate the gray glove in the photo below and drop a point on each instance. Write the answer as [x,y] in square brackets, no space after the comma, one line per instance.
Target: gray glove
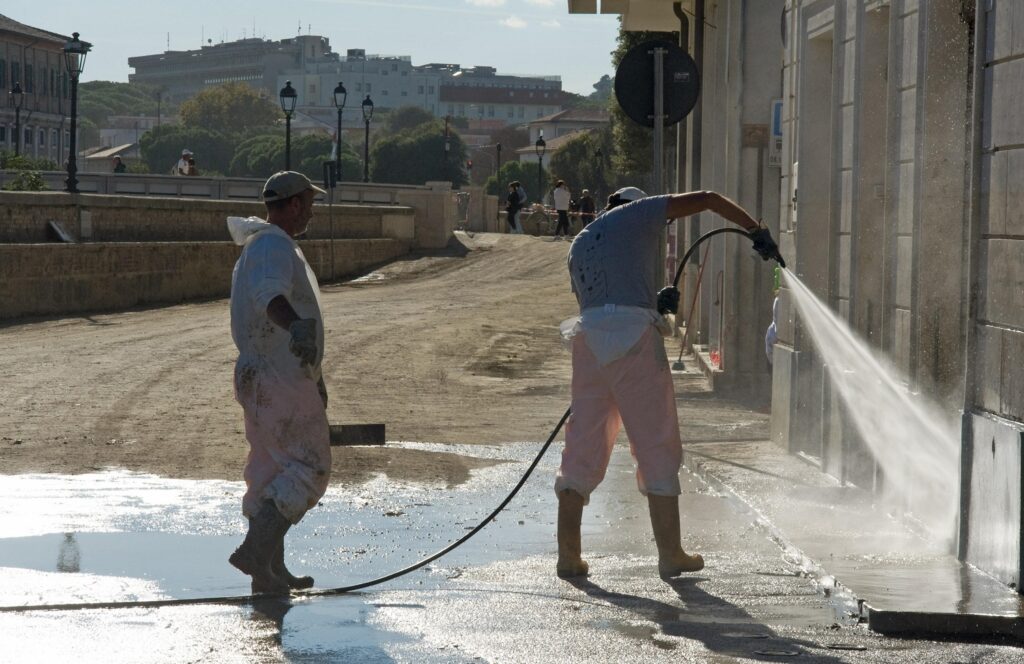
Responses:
[303,341]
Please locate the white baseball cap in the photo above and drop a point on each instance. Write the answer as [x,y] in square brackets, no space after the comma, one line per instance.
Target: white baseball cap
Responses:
[285,184]
[630,194]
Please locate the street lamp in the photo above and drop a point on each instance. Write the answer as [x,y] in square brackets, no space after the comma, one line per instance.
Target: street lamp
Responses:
[74,59]
[288,99]
[497,162]
[16,94]
[540,146]
[340,95]
[367,116]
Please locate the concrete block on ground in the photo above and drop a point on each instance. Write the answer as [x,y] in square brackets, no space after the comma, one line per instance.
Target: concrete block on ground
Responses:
[357,434]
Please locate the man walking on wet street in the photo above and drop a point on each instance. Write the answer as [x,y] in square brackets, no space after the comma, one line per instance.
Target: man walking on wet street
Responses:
[277,326]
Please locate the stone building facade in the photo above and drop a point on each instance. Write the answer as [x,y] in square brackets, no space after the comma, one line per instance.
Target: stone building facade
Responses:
[34,58]
[898,202]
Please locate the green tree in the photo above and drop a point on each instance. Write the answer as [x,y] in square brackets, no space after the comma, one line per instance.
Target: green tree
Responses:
[228,109]
[577,163]
[161,148]
[525,173]
[418,155]
[99,100]
[405,117]
[262,154]
[26,181]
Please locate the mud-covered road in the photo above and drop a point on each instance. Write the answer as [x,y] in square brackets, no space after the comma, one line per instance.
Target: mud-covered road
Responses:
[459,348]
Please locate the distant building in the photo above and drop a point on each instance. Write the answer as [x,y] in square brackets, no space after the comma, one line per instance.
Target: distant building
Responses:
[34,58]
[568,121]
[480,94]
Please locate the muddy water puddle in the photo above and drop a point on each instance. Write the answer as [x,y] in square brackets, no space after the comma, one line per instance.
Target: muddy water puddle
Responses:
[121,536]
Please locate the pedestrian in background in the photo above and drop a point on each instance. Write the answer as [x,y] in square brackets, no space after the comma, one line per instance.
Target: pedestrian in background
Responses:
[563,197]
[119,166]
[513,203]
[278,329]
[192,170]
[586,204]
[181,168]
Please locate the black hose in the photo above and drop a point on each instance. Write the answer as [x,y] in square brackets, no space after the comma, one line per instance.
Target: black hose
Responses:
[247,599]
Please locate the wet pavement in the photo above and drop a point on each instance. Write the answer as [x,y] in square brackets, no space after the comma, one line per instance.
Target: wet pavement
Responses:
[769,592]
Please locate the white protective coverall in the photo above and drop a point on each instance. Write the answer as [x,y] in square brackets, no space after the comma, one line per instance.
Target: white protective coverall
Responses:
[289,458]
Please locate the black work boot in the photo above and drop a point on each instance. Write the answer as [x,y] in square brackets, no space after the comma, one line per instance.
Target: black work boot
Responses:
[278,567]
[256,554]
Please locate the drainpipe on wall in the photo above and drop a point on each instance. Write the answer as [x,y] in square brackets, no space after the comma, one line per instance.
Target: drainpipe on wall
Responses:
[971,270]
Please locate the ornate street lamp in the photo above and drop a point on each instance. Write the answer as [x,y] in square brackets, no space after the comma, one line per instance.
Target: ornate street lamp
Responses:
[340,95]
[497,162]
[367,116]
[288,99]
[17,96]
[540,146]
[74,59]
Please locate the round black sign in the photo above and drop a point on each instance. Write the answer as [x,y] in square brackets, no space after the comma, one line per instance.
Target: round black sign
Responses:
[634,83]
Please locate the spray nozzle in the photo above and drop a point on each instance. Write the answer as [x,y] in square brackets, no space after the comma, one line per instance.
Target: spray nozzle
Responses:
[765,245]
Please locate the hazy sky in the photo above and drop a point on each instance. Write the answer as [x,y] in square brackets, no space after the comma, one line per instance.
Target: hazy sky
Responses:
[515,36]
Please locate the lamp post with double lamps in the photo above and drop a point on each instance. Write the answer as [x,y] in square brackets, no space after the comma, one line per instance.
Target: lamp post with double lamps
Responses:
[74,59]
[340,95]
[540,146]
[288,99]
[17,96]
[367,116]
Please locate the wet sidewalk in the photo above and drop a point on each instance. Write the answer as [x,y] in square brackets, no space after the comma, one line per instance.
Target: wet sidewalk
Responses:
[898,581]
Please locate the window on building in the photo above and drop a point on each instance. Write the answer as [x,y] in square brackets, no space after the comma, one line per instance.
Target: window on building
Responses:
[3,75]
[430,90]
[53,138]
[30,82]
[53,82]
[42,138]
[420,89]
[15,73]
[3,135]
[42,82]
[67,140]
[27,140]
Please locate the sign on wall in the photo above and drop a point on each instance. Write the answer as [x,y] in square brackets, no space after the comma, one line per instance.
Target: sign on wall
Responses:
[775,141]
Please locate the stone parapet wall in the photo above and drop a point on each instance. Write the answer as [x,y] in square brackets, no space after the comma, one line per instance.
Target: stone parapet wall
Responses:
[59,279]
[24,217]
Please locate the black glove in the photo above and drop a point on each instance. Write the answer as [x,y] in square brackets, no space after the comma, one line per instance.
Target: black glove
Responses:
[765,245]
[668,300]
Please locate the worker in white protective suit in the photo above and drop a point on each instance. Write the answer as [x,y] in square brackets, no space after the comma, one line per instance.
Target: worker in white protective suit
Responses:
[278,328]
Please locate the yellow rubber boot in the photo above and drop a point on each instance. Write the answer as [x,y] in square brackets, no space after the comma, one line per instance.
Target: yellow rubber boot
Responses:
[672,560]
[570,515]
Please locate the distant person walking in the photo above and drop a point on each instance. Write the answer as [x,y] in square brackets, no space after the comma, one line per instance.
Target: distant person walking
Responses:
[586,204]
[119,166]
[181,168]
[513,204]
[192,170]
[563,197]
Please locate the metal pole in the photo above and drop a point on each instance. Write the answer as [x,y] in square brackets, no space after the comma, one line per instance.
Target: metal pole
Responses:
[17,130]
[659,150]
[288,141]
[540,178]
[72,181]
[497,164]
[337,156]
[366,153]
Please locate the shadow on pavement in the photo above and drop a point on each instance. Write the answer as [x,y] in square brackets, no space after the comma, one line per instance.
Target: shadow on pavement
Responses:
[722,627]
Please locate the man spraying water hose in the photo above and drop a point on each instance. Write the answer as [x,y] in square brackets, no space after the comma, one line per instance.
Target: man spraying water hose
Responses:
[621,375]
[278,328]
